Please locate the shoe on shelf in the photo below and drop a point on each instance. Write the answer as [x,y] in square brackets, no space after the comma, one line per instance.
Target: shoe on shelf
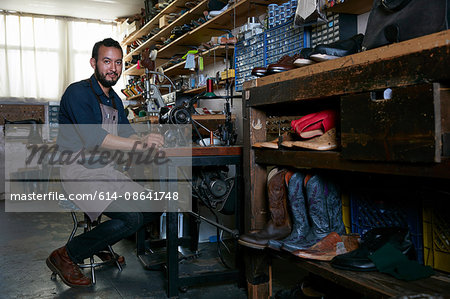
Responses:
[304,58]
[329,247]
[285,63]
[374,239]
[315,124]
[215,13]
[325,142]
[338,49]
[227,40]
[259,71]
[279,225]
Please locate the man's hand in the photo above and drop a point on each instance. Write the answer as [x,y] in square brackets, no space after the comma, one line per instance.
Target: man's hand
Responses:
[153,138]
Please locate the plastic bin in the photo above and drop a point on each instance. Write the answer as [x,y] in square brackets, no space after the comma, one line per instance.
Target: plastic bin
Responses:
[338,27]
[387,208]
[283,40]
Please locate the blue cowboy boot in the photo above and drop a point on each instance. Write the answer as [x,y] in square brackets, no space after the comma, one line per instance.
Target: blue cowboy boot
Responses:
[324,208]
[300,225]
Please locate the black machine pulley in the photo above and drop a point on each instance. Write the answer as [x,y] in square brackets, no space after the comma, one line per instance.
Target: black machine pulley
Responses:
[176,115]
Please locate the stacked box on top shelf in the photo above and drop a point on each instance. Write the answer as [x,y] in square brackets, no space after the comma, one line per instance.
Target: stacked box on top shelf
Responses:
[388,208]
[338,27]
[248,54]
[283,40]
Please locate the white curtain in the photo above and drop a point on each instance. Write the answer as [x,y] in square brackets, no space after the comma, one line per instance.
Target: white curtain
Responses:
[41,55]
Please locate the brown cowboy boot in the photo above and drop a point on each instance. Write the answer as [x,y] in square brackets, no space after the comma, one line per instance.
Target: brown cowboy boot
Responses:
[59,262]
[279,226]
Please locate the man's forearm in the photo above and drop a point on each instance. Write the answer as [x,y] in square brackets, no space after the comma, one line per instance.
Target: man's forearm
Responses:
[121,143]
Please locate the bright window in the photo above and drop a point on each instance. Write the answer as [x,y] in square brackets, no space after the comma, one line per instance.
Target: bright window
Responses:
[41,55]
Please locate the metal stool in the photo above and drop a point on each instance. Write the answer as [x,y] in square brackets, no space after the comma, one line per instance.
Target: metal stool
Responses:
[87,225]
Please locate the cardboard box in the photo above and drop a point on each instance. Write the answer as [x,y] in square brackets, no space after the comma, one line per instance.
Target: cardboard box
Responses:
[225,75]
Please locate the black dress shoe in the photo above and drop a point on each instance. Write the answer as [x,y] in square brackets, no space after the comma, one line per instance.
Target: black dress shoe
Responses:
[285,63]
[340,48]
[259,71]
[358,260]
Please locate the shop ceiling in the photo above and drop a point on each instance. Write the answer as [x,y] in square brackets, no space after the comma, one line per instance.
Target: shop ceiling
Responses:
[90,9]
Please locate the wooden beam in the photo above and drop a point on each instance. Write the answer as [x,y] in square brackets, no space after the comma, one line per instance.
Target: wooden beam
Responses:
[411,62]
[333,160]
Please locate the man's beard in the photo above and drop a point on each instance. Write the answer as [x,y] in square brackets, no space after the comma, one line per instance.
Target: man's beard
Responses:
[102,79]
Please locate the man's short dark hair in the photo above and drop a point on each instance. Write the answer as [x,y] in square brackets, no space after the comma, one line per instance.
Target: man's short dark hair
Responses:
[107,42]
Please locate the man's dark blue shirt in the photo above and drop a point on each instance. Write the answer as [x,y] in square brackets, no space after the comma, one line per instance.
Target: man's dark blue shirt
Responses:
[79,105]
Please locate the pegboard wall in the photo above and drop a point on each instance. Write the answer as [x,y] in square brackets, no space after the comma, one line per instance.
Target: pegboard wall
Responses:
[15,112]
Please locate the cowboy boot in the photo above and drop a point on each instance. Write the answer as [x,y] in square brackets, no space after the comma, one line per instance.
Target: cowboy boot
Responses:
[325,212]
[300,225]
[59,262]
[329,247]
[279,226]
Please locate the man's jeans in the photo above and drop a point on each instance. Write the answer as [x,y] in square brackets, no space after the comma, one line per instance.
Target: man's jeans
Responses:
[121,225]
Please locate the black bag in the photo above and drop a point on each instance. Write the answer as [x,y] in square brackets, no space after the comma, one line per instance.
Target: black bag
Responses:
[393,21]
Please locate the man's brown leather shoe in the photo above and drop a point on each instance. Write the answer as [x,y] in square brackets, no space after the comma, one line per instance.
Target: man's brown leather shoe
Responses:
[285,63]
[59,262]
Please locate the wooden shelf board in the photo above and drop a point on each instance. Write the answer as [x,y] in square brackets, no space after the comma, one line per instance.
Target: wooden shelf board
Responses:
[355,7]
[208,57]
[371,284]
[136,97]
[154,22]
[398,64]
[166,31]
[333,160]
[201,89]
[133,71]
[206,117]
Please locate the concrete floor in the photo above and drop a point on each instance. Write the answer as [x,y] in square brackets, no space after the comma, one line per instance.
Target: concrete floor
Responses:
[26,240]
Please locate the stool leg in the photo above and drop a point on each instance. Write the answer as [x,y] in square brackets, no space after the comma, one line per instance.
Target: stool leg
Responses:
[92,269]
[88,227]
[114,255]
[75,226]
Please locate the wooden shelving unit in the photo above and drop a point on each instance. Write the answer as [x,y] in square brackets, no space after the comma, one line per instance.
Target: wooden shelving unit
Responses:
[172,7]
[165,32]
[178,69]
[209,57]
[235,15]
[409,65]
[371,284]
[333,160]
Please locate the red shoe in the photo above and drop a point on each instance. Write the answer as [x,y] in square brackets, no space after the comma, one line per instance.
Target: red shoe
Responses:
[59,262]
[314,124]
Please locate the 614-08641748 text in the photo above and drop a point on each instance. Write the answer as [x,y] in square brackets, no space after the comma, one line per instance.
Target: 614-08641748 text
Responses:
[51,196]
